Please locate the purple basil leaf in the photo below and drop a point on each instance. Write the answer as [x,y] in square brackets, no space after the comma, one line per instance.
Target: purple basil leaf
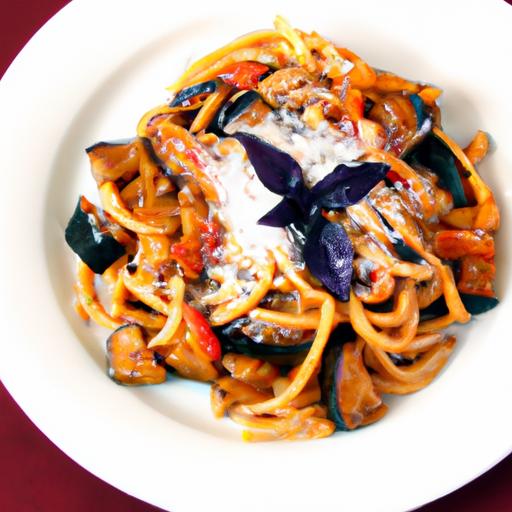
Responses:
[281,215]
[328,254]
[347,185]
[277,170]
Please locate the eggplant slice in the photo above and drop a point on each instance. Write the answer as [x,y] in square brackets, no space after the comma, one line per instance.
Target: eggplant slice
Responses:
[185,95]
[111,161]
[434,154]
[264,341]
[474,304]
[347,388]
[130,362]
[97,249]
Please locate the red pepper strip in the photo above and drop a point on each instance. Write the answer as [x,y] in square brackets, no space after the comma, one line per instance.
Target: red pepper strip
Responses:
[394,177]
[201,329]
[243,75]
[188,254]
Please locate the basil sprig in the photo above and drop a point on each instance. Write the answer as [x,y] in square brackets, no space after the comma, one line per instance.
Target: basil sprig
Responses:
[327,250]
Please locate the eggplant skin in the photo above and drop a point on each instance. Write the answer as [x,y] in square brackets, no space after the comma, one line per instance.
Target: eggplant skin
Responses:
[130,362]
[405,252]
[478,304]
[232,110]
[195,90]
[474,304]
[332,359]
[233,339]
[434,154]
[106,144]
[98,250]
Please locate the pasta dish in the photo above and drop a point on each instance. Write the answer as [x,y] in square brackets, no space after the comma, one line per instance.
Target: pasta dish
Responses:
[294,227]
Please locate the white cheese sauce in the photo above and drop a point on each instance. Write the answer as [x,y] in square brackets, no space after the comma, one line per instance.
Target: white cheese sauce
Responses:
[246,199]
[318,151]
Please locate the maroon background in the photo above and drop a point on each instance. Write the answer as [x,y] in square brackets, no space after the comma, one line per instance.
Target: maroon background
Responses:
[37,477]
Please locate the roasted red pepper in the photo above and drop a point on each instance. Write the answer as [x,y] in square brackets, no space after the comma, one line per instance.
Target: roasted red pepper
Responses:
[243,75]
[201,329]
[188,254]
[454,244]
[477,276]
[198,249]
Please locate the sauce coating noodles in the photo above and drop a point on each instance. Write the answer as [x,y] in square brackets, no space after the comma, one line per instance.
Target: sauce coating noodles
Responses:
[300,290]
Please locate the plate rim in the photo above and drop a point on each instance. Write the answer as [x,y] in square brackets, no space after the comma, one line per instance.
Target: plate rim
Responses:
[68,12]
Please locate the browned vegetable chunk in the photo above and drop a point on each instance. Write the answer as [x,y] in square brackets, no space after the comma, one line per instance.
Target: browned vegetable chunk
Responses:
[477,275]
[455,244]
[358,402]
[130,361]
[396,114]
[289,88]
[111,161]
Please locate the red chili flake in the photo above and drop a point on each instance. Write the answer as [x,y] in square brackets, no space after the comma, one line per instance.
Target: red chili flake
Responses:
[211,238]
[394,177]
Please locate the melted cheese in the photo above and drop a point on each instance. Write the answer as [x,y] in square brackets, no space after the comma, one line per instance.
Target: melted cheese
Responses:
[317,151]
[246,199]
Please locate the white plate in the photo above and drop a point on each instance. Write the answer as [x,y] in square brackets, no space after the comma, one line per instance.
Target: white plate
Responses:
[88,75]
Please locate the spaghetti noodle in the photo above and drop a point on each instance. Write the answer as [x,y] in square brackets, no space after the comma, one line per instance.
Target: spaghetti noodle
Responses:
[294,227]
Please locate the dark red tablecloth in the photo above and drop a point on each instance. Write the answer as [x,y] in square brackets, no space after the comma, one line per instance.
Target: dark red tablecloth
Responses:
[37,477]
